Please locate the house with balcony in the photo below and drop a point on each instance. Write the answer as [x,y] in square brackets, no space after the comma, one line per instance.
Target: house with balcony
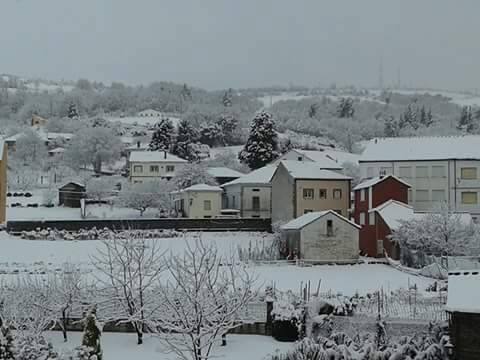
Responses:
[439,169]
[250,193]
[200,201]
[151,165]
[300,187]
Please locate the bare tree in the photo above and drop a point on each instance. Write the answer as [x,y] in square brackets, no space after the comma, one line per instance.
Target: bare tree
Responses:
[100,188]
[129,271]
[203,300]
[150,194]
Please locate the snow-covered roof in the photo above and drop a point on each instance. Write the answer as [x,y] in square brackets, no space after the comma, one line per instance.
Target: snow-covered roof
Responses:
[378,179]
[259,176]
[310,170]
[464,292]
[203,187]
[154,156]
[393,212]
[337,156]
[318,157]
[43,135]
[423,148]
[224,172]
[304,220]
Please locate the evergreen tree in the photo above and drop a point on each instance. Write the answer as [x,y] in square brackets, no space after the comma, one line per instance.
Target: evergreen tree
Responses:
[345,108]
[391,127]
[91,336]
[429,121]
[72,111]
[313,110]
[423,116]
[185,93]
[410,116]
[162,137]
[466,121]
[186,138]
[227,98]
[262,144]
[211,134]
[228,125]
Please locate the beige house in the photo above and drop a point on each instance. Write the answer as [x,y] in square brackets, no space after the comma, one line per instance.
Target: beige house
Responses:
[322,236]
[3,181]
[250,193]
[151,165]
[300,187]
[199,201]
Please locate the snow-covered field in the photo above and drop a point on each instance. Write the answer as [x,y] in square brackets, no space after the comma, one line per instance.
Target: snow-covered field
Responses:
[458,98]
[19,255]
[269,100]
[124,347]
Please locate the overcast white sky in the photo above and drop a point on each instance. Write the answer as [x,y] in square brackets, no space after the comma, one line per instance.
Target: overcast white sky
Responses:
[244,43]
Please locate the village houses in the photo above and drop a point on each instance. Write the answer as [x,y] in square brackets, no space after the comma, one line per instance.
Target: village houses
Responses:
[199,201]
[150,165]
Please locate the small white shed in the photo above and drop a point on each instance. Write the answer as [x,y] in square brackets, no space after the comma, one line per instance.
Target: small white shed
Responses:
[323,236]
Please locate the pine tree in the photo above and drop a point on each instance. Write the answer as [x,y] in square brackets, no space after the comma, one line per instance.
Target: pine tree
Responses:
[186,138]
[345,108]
[72,111]
[228,124]
[312,111]
[466,122]
[391,127]
[162,137]
[211,134]
[227,98]
[91,336]
[410,116]
[423,116]
[429,121]
[262,144]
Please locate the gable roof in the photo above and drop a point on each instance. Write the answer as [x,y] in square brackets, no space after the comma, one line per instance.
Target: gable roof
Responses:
[378,179]
[340,157]
[154,156]
[259,176]
[319,157]
[76,183]
[310,170]
[224,172]
[393,212]
[464,292]
[203,187]
[423,148]
[308,218]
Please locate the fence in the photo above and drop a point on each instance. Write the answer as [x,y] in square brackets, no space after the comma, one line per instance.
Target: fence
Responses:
[250,224]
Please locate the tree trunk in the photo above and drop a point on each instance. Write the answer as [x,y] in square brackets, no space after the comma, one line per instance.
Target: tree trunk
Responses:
[64,325]
[139,335]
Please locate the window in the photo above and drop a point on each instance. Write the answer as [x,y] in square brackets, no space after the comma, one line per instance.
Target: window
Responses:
[438,171]
[362,195]
[369,172]
[299,158]
[469,197]
[207,216]
[421,195]
[438,195]
[255,203]
[362,218]
[308,194]
[385,170]
[329,228]
[190,202]
[371,218]
[421,171]
[379,247]
[255,190]
[322,193]
[405,172]
[207,205]
[154,168]
[337,193]
[469,173]
[233,202]
[137,168]
[306,211]
[170,168]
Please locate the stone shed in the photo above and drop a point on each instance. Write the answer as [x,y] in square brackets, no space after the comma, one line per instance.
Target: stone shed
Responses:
[323,236]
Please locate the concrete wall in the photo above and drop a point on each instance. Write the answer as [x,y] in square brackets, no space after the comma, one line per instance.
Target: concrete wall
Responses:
[146,174]
[194,204]
[315,244]
[283,196]
[317,204]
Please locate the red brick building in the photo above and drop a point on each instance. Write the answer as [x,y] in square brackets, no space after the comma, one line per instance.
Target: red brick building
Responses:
[370,195]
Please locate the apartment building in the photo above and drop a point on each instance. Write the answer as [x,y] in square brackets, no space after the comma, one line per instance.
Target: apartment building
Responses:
[150,165]
[300,187]
[439,169]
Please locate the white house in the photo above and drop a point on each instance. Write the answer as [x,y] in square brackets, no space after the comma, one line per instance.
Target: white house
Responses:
[150,165]
[199,201]
[439,169]
[150,113]
[251,193]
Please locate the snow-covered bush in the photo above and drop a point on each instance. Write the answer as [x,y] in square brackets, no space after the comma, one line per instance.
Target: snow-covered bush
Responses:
[97,234]
[34,348]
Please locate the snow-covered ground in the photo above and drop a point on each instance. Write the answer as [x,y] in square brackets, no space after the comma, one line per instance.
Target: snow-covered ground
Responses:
[124,347]
[269,100]
[19,255]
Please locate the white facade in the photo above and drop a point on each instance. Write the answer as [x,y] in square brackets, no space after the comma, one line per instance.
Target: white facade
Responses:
[455,181]
[150,165]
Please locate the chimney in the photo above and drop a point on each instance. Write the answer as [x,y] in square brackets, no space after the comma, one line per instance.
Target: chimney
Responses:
[165,154]
[138,144]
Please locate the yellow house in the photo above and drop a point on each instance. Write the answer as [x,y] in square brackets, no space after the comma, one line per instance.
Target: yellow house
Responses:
[151,165]
[300,187]
[199,201]
[38,121]
[3,182]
